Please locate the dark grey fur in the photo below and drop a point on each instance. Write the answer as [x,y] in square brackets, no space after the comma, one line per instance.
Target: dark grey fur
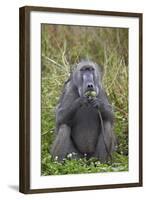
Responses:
[84,126]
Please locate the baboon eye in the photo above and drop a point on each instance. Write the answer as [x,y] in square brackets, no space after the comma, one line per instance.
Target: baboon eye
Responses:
[91,69]
[87,69]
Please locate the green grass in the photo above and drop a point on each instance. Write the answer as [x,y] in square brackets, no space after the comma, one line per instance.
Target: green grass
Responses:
[62,47]
[73,166]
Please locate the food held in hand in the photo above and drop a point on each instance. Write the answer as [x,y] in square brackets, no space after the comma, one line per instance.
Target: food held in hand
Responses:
[90,94]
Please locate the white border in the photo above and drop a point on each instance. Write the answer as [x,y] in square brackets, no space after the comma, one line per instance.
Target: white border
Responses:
[132,176]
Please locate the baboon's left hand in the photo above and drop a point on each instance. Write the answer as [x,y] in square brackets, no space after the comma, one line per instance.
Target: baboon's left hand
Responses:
[95,102]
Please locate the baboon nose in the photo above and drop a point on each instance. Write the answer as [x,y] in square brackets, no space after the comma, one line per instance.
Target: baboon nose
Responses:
[90,85]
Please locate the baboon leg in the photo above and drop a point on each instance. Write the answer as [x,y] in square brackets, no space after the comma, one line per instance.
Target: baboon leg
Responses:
[63,144]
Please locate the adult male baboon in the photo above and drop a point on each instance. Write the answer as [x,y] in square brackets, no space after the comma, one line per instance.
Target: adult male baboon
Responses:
[84,117]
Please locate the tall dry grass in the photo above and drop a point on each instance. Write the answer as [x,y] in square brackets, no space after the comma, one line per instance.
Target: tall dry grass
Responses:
[62,47]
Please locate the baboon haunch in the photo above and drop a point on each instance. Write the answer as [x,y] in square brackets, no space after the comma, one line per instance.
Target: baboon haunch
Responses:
[84,124]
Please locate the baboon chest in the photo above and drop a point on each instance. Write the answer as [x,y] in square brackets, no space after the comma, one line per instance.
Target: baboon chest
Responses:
[85,129]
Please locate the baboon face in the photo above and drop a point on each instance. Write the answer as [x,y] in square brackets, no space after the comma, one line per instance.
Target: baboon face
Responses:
[86,77]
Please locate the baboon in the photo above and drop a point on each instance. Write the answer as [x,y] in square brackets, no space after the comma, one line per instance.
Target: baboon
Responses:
[84,123]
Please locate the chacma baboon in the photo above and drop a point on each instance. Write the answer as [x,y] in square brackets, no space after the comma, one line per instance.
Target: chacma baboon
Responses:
[84,117]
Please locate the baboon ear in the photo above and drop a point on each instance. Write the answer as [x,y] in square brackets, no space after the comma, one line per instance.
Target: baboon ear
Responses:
[73,67]
[101,71]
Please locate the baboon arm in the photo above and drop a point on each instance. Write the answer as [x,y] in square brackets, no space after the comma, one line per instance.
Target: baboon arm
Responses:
[65,114]
[105,108]
[106,142]
[68,104]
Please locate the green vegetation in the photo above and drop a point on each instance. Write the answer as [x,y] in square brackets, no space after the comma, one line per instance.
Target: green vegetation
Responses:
[62,47]
[73,166]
